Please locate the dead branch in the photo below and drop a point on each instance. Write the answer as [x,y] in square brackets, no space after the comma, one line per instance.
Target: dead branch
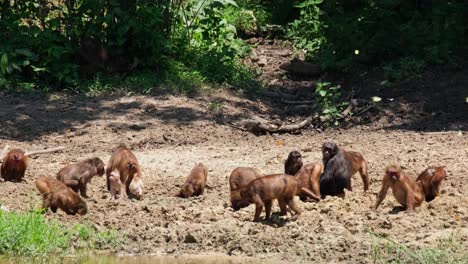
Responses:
[258,124]
[299,67]
[43,151]
[292,102]
[278,94]
[352,105]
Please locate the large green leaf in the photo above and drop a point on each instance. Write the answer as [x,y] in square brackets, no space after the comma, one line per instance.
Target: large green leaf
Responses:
[4,63]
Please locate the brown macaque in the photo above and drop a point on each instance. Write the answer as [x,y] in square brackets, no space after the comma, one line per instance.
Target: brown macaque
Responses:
[262,191]
[294,163]
[56,194]
[339,167]
[115,184]
[308,178]
[95,57]
[195,183]
[14,165]
[406,190]
[78,175]
[431,179]
[239,178]
[136,186]
[127,165]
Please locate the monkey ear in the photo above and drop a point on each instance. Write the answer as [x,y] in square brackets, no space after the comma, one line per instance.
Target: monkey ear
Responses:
[131,165]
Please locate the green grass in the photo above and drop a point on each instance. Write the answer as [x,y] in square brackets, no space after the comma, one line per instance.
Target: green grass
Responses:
[31,235]
[447,250]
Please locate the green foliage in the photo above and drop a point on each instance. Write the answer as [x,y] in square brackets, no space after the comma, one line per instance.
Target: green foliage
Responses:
[30,234]
[182,42]
[328,101]
[345,34]
[306,31]
[447,250]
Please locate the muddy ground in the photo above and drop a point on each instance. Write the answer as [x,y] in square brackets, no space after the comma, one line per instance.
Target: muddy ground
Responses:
[423,125]
[170,134]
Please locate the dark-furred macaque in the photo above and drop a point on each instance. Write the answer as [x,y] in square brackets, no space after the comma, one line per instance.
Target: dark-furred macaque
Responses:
[262,191]
[308,178]
[56,194]
[78,175]
[14,165]
[195,183]
[339,167]
[127,165]
[406,190]
[95,57]
[431,179]
[294,163]
[239,178]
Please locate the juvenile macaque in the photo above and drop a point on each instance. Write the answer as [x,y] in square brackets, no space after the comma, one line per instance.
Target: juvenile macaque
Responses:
[431,179]
[14,165]
[78,175]
[262,191]
[340,166]
[239,178]
[195,183]
[127,165]
[308,181]
[55,195]
[115,184]
[293,164]
[406,190]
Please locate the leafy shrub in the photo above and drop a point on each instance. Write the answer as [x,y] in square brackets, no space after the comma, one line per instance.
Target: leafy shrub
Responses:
[344,34]
[328,100]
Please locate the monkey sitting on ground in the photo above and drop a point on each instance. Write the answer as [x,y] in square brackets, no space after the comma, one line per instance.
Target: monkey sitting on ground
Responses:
[339,167]
[294,163]
[55,195]
[406,190]
[262,191]
[14,165]
[431,179]
[78,175]
[308,181]
[195,183]
[239,178]
[127,165]
[115,184]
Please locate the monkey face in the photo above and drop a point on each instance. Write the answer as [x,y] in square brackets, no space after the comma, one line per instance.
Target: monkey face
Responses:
[83,208]
[329,149]
[100,167]
[187,190]
[115,176]
[394,175]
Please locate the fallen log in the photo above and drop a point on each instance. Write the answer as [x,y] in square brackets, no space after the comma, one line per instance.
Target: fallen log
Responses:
[257,124]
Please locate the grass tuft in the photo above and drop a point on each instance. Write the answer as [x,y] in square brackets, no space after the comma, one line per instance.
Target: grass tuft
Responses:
[447,250]
[31,235]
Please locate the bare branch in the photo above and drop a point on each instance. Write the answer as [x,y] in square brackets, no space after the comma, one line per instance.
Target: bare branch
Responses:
[43,151]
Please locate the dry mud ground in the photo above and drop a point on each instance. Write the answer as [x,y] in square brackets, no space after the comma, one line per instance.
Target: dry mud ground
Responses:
[171,134]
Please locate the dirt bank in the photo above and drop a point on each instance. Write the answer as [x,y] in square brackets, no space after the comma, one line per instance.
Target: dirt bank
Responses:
[170,134]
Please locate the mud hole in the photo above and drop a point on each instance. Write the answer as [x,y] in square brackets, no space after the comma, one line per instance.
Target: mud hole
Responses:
[171,134]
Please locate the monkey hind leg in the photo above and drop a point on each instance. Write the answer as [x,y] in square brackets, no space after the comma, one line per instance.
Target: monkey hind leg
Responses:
[268,205]
[283,207]
[258,208]
[364,175]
